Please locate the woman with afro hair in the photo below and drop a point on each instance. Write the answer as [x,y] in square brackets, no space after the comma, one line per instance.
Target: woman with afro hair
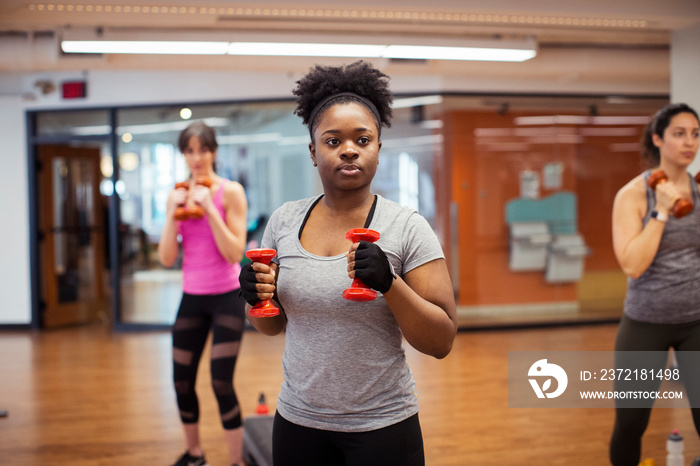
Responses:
[348,396]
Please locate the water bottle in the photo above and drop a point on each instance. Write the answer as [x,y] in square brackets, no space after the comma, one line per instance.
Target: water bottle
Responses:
[674,449]
[262,405]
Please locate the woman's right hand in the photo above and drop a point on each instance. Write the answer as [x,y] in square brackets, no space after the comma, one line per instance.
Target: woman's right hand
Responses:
[177,199]
[258,282]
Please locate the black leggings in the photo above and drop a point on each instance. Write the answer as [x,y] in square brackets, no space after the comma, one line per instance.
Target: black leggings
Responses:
[224,314]
[630,423]
[398,445]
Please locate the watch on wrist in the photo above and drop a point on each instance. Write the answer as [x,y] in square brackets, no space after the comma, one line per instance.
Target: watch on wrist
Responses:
[660,216]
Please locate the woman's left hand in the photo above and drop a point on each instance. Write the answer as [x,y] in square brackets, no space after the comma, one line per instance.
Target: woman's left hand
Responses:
[369,263]
[201,195]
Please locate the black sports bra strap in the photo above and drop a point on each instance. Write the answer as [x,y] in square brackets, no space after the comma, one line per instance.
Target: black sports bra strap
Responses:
[370,215]
[308,212]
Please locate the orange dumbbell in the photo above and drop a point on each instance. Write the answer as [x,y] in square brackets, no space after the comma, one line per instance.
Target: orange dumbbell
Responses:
[190,209]
[682,206]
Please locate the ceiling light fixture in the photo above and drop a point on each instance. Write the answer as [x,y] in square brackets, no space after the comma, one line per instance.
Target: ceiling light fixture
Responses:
[145,47]
[417,101]
[402,48]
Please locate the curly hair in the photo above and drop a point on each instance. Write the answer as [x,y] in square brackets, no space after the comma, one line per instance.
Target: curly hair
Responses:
[658,124]
[359,78]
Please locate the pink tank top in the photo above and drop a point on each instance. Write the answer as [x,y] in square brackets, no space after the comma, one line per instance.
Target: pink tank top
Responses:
[204,269]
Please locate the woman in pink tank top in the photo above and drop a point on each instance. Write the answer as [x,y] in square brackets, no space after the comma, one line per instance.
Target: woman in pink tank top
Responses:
[212,246]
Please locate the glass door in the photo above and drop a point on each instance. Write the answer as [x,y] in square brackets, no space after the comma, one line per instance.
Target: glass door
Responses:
[72,246]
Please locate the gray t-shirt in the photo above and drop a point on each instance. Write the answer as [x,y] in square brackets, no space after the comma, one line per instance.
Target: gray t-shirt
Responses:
[668,292]
[344,365]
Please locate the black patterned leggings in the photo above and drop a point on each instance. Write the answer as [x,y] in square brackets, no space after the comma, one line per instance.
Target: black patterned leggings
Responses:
[632,335]
[224,315]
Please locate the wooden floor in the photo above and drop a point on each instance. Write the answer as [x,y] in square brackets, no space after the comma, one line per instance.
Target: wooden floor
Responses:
[87,396]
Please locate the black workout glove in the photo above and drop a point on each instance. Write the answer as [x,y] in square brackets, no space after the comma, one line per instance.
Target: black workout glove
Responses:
[373,267]
[248,281]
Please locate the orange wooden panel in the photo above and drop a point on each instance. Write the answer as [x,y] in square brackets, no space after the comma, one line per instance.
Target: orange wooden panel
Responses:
[487,152]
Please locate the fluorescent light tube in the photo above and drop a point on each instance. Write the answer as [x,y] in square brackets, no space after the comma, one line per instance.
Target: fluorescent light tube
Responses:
[170,126]
[417,101]
[457,53]
[379,51]
[305,49]
[146,47]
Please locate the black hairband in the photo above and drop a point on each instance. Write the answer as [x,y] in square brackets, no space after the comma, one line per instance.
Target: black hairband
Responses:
[322,103]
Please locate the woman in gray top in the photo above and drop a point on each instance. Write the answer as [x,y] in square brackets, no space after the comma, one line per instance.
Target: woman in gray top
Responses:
[348,396]
[660,254]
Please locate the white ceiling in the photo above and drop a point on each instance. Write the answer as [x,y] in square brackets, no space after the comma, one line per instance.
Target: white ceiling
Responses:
[623,41]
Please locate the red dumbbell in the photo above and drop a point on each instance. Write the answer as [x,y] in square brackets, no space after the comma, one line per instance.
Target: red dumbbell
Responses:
[190,209]
[358,291]
[682,206]
[180,211]
[263,308]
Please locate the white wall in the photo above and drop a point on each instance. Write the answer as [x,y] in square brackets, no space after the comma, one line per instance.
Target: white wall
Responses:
[685,72]
[14,233]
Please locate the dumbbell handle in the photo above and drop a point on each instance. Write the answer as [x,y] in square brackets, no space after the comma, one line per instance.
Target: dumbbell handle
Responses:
[682,206]
[200,180]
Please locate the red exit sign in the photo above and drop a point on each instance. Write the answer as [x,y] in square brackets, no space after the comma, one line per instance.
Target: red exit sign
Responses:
[74,90]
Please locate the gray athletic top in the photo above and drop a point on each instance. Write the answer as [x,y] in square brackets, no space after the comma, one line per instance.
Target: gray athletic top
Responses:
[344,365]
[668,292]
